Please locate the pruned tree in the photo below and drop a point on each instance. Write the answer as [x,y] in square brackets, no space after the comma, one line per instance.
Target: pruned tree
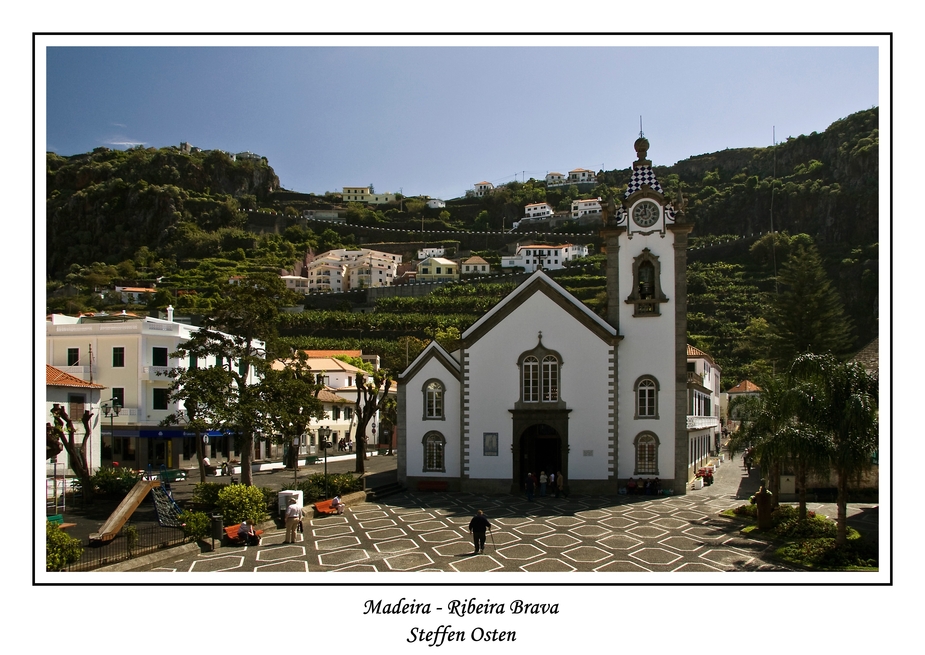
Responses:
[371,396]
[290,397]
[63,428]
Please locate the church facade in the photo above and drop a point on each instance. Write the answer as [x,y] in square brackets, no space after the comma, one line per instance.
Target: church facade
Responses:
[542,383]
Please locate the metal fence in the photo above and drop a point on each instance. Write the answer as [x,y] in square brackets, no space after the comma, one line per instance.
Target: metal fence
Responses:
[131,542]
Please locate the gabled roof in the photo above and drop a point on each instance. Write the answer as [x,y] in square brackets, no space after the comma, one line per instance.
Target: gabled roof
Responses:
[745,386]
[55,377]
[475,259]
[693,351]
[433,351]
[539,282]
[315,354]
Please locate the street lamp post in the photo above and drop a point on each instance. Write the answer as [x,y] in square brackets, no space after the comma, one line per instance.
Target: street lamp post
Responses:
[112,411]
[324,433]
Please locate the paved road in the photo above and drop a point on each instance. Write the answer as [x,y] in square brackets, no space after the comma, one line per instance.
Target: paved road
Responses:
[418,532]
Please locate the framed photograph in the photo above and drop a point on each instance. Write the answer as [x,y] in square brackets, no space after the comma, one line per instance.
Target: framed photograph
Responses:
[490,444]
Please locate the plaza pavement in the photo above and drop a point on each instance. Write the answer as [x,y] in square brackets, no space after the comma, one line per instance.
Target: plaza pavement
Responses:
[421,532]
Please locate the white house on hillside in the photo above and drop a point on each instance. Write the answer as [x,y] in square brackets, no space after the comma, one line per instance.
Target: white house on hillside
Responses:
[538,210]
[483,188]
[555,179]
[581,176]
[533,257]
[584,207]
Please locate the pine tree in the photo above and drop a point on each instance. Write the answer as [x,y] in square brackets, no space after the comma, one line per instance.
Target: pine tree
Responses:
[807,315]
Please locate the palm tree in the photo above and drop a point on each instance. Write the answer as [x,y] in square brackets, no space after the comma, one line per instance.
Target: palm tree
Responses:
[777,438]
[840,400]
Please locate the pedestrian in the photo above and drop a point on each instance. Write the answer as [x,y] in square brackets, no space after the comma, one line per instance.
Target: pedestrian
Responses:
[477,527]
[544,480]
[531,486]
[293,517]
[560,484]
[247,532]
[338,505]
[552,484]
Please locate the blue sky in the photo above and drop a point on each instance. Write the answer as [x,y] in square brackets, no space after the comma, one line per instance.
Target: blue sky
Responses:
[434,120]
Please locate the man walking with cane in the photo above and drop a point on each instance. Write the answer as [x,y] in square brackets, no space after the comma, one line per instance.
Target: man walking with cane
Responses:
[477,527]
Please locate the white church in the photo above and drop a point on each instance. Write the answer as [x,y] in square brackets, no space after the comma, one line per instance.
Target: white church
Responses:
[542,383]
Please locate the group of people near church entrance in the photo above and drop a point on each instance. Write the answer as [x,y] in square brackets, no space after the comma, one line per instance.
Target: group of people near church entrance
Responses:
[554,483]
[643,487]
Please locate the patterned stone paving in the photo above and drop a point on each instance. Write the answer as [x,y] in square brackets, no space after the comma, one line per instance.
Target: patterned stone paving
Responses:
[428,532]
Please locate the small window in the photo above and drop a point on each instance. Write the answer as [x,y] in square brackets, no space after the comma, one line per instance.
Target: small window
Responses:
[73,356]
[160,398]
[159,356]
[118,394]
[118,357]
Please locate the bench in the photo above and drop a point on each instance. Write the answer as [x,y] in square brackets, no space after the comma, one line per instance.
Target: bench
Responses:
[231,532]
[58,520]
[433,485]
[324,507]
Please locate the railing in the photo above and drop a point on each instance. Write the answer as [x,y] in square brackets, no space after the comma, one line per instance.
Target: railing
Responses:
[149,539]
[702,422]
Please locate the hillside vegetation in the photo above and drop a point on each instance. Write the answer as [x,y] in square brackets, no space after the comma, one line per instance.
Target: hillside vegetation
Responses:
[188,222]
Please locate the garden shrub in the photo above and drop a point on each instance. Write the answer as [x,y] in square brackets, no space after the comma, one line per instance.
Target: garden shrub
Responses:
[206,493]
[61,549]
[238,502]
[339,484]
[196,525]
[130,532]
[114,481]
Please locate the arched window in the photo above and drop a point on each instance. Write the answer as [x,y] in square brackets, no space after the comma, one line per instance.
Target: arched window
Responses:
[433,400]
[434,452]
[539,375]
[646,390]
[531,378]
[550,379]
[646,445]
[647,289]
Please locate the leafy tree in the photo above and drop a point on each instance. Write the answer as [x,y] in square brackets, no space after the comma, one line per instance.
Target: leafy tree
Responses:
[840,401]
[807,316]
[231,393]
[290,396]
[772,430]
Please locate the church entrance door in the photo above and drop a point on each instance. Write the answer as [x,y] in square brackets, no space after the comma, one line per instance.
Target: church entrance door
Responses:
[541,450]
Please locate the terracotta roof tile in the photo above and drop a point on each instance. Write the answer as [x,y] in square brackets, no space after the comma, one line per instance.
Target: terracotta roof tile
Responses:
[745,386]
[55,377]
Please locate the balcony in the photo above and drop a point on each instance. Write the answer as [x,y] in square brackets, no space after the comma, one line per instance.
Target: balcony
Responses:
[155,372]
[702,422]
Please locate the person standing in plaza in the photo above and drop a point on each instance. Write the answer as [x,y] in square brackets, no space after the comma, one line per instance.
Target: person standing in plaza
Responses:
[293,516]
[560,484]
[552,484]
[544,480]
[477,527]
[531,486]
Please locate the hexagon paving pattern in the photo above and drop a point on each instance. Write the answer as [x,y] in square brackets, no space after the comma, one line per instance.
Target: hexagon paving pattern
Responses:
[429,532]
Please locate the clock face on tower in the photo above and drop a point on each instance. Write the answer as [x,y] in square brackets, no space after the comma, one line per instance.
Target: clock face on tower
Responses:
[645,213]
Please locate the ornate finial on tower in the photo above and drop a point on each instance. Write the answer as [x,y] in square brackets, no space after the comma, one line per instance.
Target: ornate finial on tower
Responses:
[642,148]
[539,336]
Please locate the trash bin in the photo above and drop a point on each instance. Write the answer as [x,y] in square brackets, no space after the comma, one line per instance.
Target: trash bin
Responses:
[217,527]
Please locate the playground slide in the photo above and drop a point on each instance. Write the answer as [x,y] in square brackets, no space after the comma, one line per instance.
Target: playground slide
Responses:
[117,519]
